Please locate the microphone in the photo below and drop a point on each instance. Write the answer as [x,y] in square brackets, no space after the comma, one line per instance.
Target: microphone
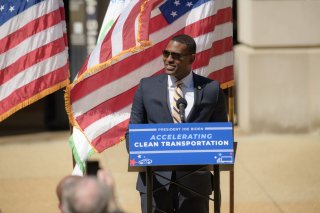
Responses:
[181,105]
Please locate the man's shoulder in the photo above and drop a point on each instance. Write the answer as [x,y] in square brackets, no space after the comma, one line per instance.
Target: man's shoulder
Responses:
[195,75]
[154,78]
[204,80]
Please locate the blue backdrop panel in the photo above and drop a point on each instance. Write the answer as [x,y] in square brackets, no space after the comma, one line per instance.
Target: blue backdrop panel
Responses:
[181,144]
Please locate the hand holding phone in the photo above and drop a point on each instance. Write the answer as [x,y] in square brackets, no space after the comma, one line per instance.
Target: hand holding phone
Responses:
[92,167]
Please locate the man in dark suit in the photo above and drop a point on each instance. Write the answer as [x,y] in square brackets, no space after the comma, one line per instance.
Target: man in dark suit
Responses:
[154,103]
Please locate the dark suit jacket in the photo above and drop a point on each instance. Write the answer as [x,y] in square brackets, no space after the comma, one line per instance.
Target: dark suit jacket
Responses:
[150,105]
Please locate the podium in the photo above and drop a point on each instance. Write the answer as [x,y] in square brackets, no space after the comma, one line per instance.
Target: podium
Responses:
[181,147]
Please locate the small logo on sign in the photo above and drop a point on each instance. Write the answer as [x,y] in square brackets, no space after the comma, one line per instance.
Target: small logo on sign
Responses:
[145,161]
[225,159]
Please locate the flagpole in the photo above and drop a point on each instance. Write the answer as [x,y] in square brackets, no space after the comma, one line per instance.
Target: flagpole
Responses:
[231,119]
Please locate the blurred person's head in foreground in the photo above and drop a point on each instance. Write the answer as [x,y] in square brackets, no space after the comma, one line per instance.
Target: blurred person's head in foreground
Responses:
[67,180]
[86,195]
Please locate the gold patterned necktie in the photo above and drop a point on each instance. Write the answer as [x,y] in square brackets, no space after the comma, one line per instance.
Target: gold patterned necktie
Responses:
[177,95]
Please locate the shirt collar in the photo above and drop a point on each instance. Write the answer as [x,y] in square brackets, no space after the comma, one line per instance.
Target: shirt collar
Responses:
[187,81]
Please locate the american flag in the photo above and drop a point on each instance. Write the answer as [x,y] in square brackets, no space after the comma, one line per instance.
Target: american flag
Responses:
[99,100]
[33,52]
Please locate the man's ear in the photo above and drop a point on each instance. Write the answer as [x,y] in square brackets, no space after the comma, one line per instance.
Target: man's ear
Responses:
[192,58]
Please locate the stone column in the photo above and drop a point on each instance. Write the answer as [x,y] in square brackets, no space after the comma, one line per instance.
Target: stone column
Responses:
[277,65]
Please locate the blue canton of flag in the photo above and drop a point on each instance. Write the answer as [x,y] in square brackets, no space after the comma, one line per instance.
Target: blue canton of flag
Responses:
[11,8]
[174,9]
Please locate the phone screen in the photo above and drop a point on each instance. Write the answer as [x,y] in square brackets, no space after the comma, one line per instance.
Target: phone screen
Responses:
[92,167]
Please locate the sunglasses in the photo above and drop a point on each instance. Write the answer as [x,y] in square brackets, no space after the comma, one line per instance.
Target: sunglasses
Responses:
[175,56]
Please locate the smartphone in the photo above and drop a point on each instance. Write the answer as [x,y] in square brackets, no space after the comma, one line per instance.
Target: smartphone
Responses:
[92,167]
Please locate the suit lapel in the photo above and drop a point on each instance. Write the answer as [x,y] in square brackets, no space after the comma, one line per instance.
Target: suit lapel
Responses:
[198,93]
[163,96]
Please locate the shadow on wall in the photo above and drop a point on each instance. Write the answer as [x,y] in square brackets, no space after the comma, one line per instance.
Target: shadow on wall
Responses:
[47,114]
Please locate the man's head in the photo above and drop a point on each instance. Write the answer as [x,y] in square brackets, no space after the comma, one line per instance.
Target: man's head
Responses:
[63,183]
[86,195]
[179,55]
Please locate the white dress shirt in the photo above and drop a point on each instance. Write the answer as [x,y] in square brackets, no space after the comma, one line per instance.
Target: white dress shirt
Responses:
[187,89]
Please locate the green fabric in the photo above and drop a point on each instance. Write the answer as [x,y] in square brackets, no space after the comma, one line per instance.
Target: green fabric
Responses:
[76,156]
[105,29]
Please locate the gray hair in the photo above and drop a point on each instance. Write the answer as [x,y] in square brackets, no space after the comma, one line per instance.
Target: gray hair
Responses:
[87,195]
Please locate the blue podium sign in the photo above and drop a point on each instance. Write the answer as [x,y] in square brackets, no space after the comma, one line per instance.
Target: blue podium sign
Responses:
[181,144]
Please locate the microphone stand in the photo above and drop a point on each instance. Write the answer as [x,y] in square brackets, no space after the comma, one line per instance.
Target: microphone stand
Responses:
[182,104]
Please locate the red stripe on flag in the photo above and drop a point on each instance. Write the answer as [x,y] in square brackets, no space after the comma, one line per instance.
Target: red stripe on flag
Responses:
[223,75]
[33,57]
[106,108]
[109,106]
[224,15]
[63,18]
[211,22]
[110,137]
[106,46]
[218,48]
[158,22]
[32,28]
[33,88]
[65,38]
[145,19]
[128,33]
[62,13]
